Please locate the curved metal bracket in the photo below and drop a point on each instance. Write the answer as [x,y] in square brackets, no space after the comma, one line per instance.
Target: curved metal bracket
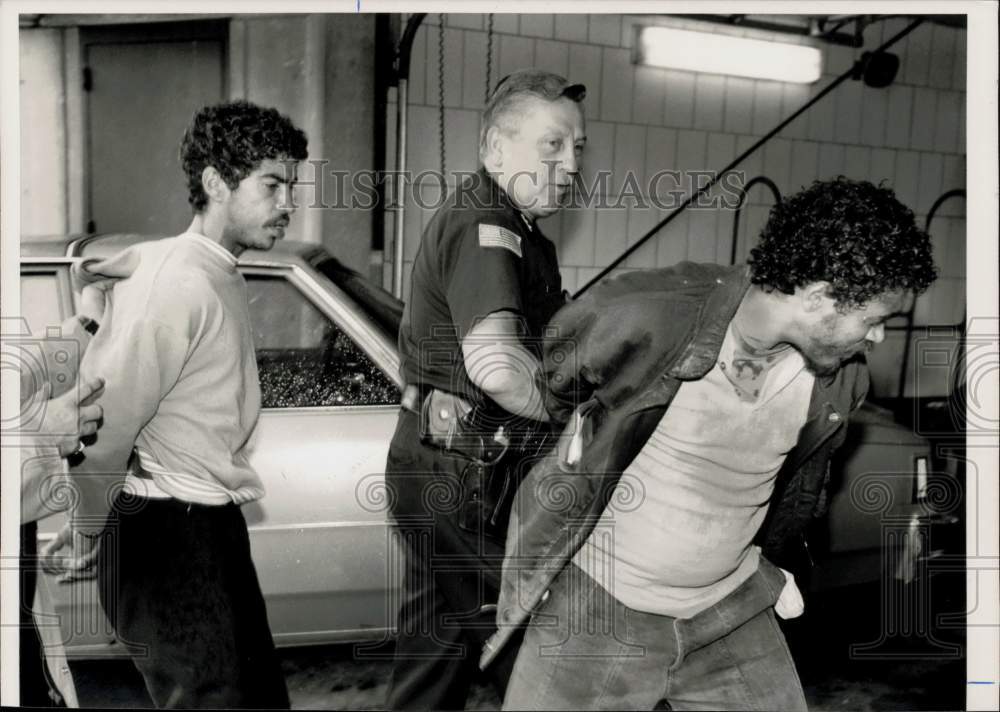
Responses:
[739,209]
[405,48]
[402,99]
[956,193]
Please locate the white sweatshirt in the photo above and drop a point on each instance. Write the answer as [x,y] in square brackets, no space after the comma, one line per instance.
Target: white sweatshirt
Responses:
[176,351]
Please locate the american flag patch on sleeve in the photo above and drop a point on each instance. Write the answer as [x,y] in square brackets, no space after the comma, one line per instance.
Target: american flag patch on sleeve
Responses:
[496,236]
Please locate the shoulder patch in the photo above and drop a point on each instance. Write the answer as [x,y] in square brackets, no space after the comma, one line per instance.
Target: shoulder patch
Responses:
[496,236]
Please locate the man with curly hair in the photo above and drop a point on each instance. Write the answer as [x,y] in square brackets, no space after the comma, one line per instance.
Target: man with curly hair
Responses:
[703,404]
[182,393]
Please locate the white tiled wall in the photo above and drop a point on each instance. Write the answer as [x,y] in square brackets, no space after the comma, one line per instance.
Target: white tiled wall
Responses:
[643,119]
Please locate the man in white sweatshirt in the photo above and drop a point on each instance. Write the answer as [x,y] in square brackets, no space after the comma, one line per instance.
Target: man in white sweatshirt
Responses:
[176,352]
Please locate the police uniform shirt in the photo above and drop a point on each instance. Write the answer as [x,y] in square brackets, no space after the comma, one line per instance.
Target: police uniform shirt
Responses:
[478,255]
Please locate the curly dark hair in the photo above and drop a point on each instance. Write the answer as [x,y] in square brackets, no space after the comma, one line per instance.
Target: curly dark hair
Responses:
[234,138]
[855,235]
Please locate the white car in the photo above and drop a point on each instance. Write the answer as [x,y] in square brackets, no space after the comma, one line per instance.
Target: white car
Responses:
[330,385]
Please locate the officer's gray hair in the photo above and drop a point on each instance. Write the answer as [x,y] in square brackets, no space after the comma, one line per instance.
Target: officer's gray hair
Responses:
[511,93]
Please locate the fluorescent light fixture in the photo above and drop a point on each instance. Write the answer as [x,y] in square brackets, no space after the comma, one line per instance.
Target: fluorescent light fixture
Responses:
[723,54]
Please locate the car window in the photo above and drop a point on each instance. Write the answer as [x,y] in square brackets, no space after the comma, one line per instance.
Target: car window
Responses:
[384,308]
[44,298]
[304,358]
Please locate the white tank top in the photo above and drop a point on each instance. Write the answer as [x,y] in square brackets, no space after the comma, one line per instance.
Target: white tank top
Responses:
[676,535]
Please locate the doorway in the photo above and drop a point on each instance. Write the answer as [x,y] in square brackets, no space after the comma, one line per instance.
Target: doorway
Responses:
[142,84]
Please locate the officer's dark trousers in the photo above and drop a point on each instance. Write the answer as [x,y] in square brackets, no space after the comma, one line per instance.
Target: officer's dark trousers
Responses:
[178,584]
[450,573]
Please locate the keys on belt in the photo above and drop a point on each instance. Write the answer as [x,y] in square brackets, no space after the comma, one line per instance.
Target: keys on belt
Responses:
[410,399]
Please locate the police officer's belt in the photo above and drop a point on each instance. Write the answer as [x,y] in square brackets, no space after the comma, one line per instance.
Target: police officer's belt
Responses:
[450,422]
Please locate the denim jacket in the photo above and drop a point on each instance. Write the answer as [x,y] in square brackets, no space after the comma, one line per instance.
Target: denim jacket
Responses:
[613,361]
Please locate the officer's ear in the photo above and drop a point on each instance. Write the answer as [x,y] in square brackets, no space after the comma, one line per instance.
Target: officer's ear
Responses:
[495,145]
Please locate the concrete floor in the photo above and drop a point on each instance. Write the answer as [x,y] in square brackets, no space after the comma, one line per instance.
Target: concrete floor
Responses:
[915,672]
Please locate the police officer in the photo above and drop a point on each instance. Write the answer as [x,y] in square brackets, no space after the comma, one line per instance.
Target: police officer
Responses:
[484,284]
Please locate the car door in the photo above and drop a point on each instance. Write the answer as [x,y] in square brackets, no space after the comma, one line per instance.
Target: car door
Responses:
[323,552]
[325,557]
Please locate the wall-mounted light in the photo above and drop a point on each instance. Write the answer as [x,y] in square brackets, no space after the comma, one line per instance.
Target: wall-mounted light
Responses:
[723,54]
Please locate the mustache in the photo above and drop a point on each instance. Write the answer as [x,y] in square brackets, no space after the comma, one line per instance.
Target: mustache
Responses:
[278,222]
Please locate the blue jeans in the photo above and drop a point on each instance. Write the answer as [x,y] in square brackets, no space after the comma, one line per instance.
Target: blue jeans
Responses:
[585,650]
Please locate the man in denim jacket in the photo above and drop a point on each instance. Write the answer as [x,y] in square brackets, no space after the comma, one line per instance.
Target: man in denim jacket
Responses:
[703,405]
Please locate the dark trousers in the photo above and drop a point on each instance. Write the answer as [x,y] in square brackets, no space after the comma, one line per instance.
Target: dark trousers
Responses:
[180,588]
[451,577]
[36,689]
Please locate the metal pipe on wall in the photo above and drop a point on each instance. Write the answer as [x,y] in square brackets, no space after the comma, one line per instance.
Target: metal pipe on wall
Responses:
[402,99]
[315,91]
[397,241]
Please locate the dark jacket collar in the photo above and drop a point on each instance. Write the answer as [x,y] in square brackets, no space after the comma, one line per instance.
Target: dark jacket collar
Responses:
[702,352]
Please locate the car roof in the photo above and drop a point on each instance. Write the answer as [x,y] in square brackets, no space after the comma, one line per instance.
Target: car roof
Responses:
[380,304]
[46,246]
[107,244]
[284,252]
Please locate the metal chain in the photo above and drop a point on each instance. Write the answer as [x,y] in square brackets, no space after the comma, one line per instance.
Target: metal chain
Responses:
[489,54]
[441,89]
